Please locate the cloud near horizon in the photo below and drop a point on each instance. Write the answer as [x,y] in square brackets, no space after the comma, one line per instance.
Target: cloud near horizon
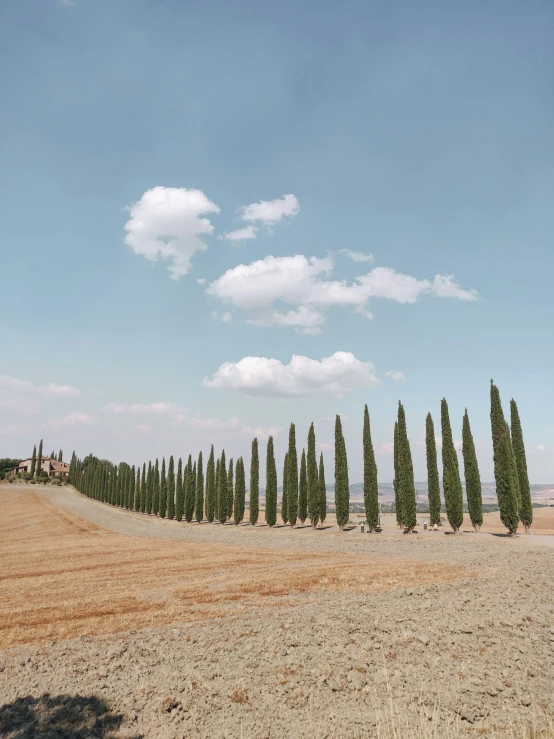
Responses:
[301,283]
[338,374]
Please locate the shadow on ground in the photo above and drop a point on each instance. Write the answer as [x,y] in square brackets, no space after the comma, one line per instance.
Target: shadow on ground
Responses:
[59,717]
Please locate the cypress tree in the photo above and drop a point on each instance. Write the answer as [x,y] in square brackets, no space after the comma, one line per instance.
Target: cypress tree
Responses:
[405,482]
[525,507]
[254,504]
[303,490]
[53,454]
[503,475]
[313,482]
[149,489]
[453,493]
[199,503]
[513,466]
[38,469]
[284,500]
[230,489]
[292,478]
[60,456]
[34,461]
[136,502]
[171,489]
[189,491]
[163,491]
[143,489]
[132,485]
[342,490]
[216,489]
[210,487]
[322,491]
[240,492]
[371,488]
[471,474]
[222,489]
[155,489]
[433,485]
[193,488]
[270,485]
[396,479]
[179,492]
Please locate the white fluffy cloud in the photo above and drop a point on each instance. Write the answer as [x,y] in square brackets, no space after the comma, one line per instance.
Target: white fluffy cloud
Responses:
[266,213]
[260,432]
[166,224]
[73,419]
[338,374]
[302,284]
[23,396]
[395,375]
[357,256]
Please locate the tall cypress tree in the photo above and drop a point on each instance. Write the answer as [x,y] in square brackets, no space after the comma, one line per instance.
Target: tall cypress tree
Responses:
[179,492]
[156,490]
[371,487]
[513,465]
[313,482]
[406,492]
[342,490]
[270,485]
[222,489]
[240,492]
[34,461]
[136,502]
[149,489]
[453,493]
[39,460]
[210,487]
[472,477]
[322,491]
[526,506]
[199,505]
[503,475]
[396,478]
[216,490]
[189,491]
[171,489]
[254,484]
[60,456]
[142,507]
[284,500]
[433,485]
[163,491]
[193,479]
[230,488]
[292,478]
[303,490]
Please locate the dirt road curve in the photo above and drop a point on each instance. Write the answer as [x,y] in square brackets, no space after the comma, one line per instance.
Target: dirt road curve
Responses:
[115,625]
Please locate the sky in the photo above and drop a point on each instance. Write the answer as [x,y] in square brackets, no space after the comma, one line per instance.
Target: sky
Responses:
[220,218]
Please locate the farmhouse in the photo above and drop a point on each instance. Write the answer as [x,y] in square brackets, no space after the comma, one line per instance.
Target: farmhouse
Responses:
[47,464]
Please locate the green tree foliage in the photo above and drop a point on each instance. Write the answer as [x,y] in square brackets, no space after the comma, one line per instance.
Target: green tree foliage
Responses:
[371,488]
[240,492]
[254,484]
[313,481]
[210,487]
[433,485]
[33,461]
[525,506]
[189,491]
[149,489]
[396,479]
[284,500]
[163,491]
[199,504]
[230,489]
[156,490]
[453,493]
[136,503]
[216,491]
[222,489]
[406,493]
[142,507]
[506,491]
[471,474]
[292,478]
[303,490]
[60,456]
[342,489]
[38,469]
[171,488]
[179,492]
[270,485]
[322,491]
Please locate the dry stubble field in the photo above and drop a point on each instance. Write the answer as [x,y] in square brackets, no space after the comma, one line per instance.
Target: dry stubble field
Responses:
[115,625]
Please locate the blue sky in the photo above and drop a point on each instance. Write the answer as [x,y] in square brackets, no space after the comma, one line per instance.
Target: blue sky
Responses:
[419,133]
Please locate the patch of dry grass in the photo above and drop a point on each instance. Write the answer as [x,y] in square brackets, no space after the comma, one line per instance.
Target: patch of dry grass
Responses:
[63,577]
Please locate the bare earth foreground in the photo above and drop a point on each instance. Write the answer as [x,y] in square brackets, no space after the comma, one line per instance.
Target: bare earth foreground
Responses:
[116,625]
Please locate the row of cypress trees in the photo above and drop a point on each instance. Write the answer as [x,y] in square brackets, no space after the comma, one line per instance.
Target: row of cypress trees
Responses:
[221,496]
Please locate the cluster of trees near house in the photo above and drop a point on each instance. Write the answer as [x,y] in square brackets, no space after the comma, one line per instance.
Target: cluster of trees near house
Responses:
[218,493]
